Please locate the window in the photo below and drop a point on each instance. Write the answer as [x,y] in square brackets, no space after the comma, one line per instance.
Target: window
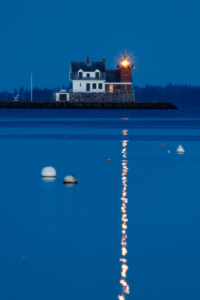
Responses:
[87,87]
[126,73]
[118,86]
[63,97]
[88,74]
[80,75]
[111,88]
[80,84]
[97,74]
[125,87]
[94,86]
[100,86]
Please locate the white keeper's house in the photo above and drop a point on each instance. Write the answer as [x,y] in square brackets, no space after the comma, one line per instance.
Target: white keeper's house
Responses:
[92,77]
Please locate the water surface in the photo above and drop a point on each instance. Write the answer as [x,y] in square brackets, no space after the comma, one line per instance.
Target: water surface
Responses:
[60,242]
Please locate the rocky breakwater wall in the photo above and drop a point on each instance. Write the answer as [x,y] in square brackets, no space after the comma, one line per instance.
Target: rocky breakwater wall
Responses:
[87,105]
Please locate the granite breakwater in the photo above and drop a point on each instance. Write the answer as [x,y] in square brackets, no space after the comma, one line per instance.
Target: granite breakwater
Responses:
[87,105]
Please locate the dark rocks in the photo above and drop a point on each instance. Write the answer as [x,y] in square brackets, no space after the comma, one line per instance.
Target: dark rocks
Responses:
[87,105]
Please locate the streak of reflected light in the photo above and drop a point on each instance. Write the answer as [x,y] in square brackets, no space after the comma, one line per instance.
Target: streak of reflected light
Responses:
[124,251]
[124,219]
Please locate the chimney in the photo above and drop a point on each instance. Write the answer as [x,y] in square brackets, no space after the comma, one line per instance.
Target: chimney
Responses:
[88,59]
[104,60]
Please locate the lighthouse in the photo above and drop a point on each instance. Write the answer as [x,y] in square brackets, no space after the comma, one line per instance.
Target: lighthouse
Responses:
[120,81]
[93,77]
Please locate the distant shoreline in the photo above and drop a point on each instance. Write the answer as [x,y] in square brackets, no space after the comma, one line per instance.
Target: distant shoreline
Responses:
[86,105]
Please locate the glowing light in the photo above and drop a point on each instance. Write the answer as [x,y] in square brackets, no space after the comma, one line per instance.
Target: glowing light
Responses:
[125,62]
[123,243]
[127,290]
[125,132]
[123,282]
[124,270]
[123,260]
[124,237]
[124,251]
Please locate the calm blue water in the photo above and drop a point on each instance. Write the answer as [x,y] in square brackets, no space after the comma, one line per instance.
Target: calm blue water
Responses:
[60,242]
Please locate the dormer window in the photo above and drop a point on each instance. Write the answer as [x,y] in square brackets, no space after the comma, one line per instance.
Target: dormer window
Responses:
[88,75]
[80,75]
[97,74]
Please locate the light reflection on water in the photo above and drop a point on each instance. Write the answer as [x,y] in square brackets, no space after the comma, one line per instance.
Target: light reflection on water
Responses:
[69,184]
[124,265]
[48,179]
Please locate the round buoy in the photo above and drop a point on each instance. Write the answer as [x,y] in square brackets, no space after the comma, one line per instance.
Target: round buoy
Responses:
[109,159]
[180,150]
[168,151]
[163,144]
[71,179]
[48,172]
[65,136]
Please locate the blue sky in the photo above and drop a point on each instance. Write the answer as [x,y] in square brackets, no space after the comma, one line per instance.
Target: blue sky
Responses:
[43,36]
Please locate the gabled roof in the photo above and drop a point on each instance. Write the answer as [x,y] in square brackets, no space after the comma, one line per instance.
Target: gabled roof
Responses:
[113,76]
[87,67]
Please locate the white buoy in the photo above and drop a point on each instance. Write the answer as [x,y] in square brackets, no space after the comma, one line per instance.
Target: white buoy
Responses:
[70,179]
[168,151]
[48,172]
[180,150]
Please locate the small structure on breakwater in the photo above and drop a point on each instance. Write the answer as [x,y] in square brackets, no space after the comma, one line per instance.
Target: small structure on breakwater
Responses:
[61,95]
[15,98]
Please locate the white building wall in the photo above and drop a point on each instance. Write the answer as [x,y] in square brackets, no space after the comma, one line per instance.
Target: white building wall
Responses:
[79,86]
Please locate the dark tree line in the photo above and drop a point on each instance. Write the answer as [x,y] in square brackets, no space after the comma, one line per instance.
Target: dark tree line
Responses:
[180,95]
[25,94]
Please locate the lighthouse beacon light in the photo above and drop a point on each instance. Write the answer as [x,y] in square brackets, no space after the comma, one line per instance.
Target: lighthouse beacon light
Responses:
[125,62]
